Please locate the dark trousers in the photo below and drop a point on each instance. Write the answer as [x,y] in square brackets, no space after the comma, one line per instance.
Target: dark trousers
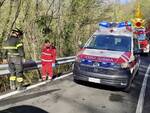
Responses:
[15,65]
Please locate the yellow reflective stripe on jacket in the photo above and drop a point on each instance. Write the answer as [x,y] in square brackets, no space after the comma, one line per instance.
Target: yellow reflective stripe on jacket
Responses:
[19,79]
[12,78]
[13,53]
[9,47]
[19,45]
[13,47]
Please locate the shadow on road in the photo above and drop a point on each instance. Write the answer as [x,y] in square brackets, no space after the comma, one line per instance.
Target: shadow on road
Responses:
[25,97]
[98,86]
[23,109]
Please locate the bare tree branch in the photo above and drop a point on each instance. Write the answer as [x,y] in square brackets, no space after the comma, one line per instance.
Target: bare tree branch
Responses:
[26,10]
[8,19]
[1,3]
[37,8]
[16,14]
[49,6]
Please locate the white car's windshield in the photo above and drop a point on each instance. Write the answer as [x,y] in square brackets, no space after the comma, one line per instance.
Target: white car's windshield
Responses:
[110,42]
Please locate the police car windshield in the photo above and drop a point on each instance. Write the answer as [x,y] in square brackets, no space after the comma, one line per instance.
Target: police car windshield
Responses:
[110,42]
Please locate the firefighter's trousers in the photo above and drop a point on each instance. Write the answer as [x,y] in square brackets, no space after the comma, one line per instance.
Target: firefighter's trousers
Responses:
[16,70]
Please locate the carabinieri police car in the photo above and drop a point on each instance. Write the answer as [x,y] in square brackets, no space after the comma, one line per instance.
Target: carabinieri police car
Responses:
[109,57]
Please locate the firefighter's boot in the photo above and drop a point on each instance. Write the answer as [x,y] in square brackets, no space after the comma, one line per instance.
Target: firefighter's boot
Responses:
[12,80]
[19,83]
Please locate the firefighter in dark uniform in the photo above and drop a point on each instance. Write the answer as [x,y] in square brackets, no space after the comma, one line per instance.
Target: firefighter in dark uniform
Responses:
[14,53]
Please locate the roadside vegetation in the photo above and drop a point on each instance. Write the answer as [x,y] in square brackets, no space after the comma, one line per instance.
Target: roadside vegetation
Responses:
[63,22]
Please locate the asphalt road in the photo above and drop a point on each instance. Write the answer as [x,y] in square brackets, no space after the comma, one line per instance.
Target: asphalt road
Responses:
[66,96]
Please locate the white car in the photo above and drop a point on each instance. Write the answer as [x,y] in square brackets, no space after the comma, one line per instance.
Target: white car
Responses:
[110,57]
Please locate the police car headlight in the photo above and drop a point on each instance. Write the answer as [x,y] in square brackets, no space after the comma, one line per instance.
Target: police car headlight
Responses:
[125,65]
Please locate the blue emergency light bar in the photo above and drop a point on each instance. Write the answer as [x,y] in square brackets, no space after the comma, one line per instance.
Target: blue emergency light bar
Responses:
[105,24]
[124,24]
[114,24]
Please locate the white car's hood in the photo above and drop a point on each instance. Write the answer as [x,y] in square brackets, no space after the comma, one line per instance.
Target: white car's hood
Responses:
[102,53]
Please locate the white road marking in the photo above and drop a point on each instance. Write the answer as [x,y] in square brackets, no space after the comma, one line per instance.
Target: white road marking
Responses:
[32,86]
[140,104]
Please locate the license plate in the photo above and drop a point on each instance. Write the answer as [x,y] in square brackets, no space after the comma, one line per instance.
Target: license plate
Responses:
[95,80]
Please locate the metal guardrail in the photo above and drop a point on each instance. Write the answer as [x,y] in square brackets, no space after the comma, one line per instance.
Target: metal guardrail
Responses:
[31,65]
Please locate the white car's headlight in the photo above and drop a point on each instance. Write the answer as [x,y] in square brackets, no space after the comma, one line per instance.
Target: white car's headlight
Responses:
[125,65]
[117,66]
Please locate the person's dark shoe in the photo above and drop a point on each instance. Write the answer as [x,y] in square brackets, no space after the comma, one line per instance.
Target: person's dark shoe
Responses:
[21,88]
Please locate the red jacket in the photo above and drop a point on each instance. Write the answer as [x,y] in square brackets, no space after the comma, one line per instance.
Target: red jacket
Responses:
[48,55]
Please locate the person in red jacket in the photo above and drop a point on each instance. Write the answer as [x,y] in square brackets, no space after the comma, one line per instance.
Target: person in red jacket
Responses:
[48,58]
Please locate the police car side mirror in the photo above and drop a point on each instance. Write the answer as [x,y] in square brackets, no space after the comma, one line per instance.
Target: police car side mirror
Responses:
[81,46]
